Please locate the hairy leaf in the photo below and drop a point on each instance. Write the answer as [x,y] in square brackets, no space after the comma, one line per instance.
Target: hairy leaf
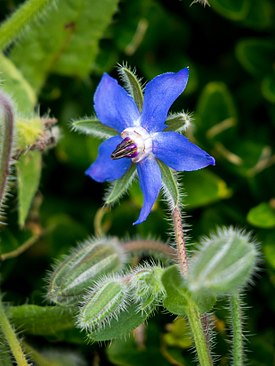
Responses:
[65,42]
[28,176]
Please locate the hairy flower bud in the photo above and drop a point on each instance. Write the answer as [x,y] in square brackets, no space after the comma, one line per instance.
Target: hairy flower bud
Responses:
[85,265]
[102,303]
[146,288]
[223,264]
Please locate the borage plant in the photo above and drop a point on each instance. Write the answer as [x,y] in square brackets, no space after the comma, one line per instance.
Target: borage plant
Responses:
[108,295]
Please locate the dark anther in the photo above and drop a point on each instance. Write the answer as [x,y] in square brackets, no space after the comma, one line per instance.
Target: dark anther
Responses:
[126,149]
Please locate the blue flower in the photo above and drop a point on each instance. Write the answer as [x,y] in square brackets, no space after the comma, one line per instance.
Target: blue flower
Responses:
[141,138]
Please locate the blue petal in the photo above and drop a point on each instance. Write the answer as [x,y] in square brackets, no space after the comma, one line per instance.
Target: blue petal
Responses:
[106,169]
[150,183]
[179,153]
[114,107]
[160,93]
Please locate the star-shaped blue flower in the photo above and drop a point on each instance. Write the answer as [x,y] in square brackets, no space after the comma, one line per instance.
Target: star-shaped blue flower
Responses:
[141,137]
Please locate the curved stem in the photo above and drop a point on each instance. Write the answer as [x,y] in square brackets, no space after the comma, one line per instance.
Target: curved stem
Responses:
[133,246]
[179,236]
[237,337]
[18,20]
[198,335]
[11,339]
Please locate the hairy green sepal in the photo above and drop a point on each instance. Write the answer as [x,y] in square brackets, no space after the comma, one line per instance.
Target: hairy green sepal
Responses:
[170,184]
[92,126]
[132,85]
[178,122]
[120,186]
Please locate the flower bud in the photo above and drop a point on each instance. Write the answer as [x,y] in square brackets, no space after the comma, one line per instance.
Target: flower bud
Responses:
[102,303]
[146,288]
[85,265]
[223,264]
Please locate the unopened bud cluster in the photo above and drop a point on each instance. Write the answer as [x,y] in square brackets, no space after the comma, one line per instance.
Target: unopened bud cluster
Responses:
[111,296]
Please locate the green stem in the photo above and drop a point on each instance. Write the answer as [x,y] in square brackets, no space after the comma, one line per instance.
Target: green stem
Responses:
[18,20]
[198,335]
[153,247]
[237,341]
[39,359]
[11,338]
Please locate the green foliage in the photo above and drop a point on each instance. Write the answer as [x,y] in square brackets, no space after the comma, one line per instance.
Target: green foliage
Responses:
[51,67]
[262,215]
[206,188]
[41,320]
[70,45]
[28,171]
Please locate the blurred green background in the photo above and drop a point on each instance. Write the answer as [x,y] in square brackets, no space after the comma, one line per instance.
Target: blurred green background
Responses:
[230,49]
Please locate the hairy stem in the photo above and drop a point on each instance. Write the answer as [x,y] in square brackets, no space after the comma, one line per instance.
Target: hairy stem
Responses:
[237,337]
[18,20]
[11,339]
[198,335]
[155,246]
[6,142]
[179,236]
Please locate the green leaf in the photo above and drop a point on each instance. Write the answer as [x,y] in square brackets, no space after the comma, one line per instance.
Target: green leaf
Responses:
[256,56]
[235,10]
[204,188]
[70,45]
[260,14]
[28,176]
[41,320]
[121,326]
[132,85]
[120,186]
[127,352]
[262,215]
[178,334]
[170,184]
[268,87]
[15,85]
[178,296]
[177,293]
[92,126]
[216,112]
[269,252]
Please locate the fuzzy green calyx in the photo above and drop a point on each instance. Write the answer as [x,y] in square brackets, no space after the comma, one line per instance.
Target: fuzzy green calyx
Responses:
[102,303]
[79,270]
[223,264]
[146,288]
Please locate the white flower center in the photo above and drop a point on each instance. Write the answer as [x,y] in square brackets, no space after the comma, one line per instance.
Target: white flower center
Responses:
[142,139]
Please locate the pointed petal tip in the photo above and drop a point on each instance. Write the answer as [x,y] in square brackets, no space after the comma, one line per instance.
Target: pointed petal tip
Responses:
[140,220]
[211,160]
